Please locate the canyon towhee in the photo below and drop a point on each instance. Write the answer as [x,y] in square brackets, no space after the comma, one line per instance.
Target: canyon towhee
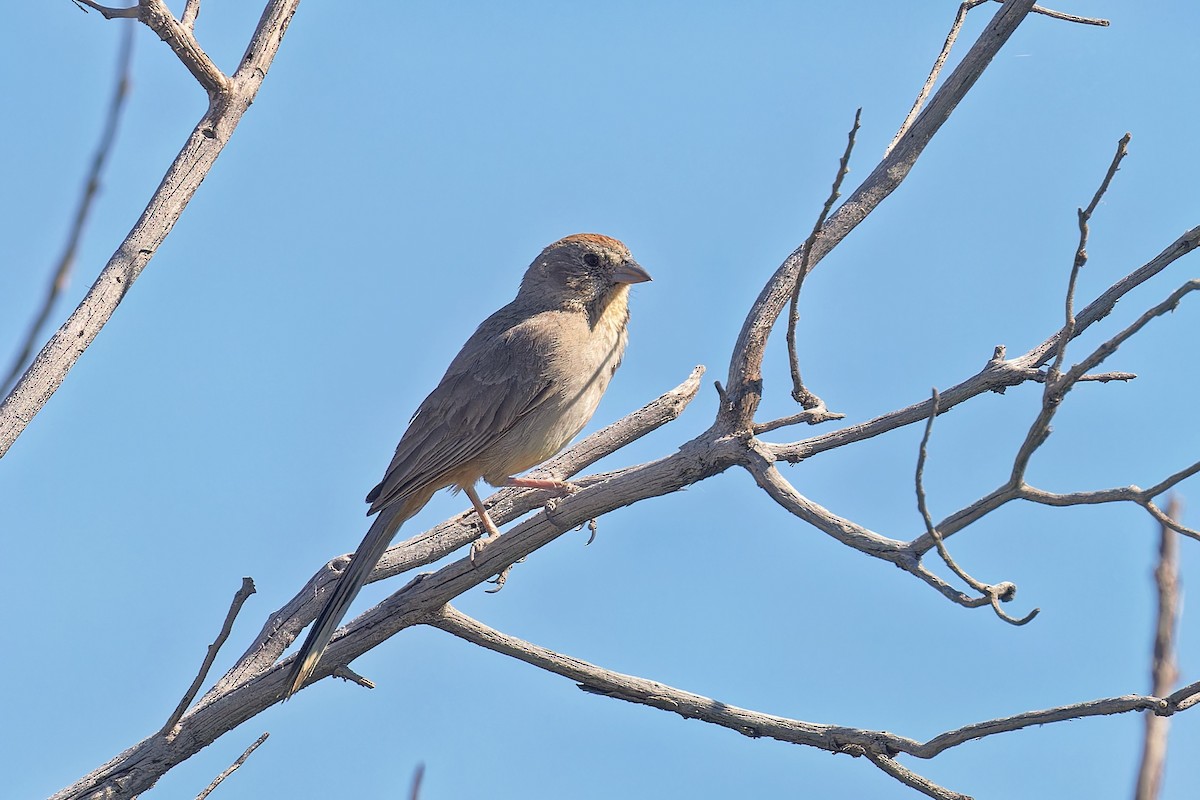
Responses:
[522,386]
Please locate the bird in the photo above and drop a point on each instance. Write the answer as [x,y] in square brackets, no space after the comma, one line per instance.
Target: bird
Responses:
[522,387]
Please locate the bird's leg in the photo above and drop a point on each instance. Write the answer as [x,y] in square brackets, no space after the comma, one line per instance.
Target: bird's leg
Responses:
[490,531]
[561,487]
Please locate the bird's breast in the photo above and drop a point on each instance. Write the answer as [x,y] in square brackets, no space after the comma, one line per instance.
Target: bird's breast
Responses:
[582,353]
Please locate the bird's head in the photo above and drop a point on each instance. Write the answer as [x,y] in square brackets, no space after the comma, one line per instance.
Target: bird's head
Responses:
[584,268]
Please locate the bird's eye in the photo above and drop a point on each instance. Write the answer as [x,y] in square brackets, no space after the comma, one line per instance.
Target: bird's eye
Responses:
[591,259]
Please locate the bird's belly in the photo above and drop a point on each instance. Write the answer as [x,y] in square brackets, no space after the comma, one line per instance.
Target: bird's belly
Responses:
[548,428]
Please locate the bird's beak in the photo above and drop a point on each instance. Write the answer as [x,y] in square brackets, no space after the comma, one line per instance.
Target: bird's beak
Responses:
[630,272]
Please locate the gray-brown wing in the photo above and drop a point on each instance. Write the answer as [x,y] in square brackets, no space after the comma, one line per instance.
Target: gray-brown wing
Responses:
[494,381]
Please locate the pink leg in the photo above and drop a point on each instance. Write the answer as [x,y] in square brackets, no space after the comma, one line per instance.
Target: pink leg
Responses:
[490,531]
[540,483]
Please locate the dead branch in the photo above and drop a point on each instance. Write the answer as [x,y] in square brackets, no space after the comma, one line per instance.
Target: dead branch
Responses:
[239,599]
[61,275]
[230,97]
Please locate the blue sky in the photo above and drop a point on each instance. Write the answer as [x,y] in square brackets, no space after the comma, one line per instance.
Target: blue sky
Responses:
[400,167]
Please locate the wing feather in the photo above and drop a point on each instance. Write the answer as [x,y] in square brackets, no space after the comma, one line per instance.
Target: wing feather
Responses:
[479,399]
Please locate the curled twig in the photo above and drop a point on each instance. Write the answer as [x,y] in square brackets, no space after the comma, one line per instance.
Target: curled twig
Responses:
[994,594]
[800,393]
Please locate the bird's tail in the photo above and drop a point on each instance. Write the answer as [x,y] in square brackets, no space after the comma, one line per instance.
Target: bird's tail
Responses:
[378,537]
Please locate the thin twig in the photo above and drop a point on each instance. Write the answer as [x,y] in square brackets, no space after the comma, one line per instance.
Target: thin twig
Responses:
[812,416]
[62,272]
[232,767]
[414,792]
[911,779]
[106,12]
[923,506]
[938,63]
[345,673]
[998,374]
[239,599]
[995,594]
[1057,387]
[1081,254]
[800,393]
[1163,672]
[1103,23]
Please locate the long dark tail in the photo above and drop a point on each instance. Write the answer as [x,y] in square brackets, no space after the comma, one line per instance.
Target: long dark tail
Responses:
[378,537]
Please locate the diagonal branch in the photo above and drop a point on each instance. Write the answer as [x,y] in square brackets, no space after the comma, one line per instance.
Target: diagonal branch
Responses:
[178,36]
[178,186]
[744,386]
[239,599]
[217,781]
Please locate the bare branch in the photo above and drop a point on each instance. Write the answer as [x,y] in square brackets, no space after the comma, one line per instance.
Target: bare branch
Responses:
[596,680]
[182,41]
[999,373]
[744,386]
[991,727]
[345,673]
[1100,308]
[62,271]
[1163,672]
[191,11]
[106,12]
[995,594]
[239,599]
[177,35]
[178,186]
[1081,255]
[232,767]
[1103,23]
[938,63]
[779,489]
[835,739]
[800,394]
[813,416]
[909,778]
[1055,387]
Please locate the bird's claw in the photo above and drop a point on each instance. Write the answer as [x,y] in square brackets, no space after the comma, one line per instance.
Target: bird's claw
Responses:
[479,544]
[499,580]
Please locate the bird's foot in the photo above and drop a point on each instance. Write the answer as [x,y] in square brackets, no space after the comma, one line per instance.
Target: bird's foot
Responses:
[479,544]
